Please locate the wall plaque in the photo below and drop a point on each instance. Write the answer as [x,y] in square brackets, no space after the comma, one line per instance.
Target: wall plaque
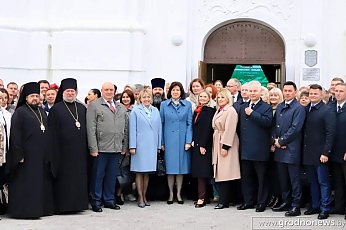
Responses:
[311,74]
[310,58]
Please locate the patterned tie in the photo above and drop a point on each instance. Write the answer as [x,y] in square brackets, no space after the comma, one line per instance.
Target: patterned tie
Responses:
[111,106]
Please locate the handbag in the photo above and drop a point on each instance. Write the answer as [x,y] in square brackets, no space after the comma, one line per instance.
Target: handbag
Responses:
[161,164]
[125,177]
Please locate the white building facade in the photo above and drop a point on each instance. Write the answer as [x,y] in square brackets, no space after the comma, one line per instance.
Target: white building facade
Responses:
[133,41]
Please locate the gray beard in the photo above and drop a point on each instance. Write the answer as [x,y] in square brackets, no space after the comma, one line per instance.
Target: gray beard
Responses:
[157,99]
[70,101]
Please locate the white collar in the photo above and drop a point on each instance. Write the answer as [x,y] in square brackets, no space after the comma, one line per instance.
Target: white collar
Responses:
[289,102]
[341,105]
[255,103]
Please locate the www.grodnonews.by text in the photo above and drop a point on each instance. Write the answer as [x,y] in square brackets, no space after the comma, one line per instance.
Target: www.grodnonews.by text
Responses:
[296,223]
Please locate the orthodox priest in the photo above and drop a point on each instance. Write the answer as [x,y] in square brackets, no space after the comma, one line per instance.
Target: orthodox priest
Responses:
[157,188]
[68,145]
[30,188]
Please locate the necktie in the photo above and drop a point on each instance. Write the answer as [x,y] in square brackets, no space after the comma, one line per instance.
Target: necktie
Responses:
[339,109]
[287,105]
[311,107]
[111,106]
[252,105]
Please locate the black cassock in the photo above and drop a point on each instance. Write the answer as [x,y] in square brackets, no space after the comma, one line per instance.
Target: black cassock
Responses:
[30,184]
[69,156]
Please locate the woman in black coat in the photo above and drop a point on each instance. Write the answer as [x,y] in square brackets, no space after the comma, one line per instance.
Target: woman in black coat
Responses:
[201,158]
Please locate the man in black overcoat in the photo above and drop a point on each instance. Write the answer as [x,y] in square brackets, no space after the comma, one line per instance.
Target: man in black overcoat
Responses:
[319,133]
[287,138]
[338,155]
[255,122]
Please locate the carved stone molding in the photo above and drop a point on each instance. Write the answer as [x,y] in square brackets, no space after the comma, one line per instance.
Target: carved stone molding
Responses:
[211,9]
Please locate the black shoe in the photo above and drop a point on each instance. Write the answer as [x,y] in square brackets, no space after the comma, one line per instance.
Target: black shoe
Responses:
[169,201]
[312,211]
[112,206]
[283,207]
[337,211]
[245,206]
[221,206]
[180,202]
[294,211]
[260,208]
[322,216]
[96,208]
[118,200]
[141,205]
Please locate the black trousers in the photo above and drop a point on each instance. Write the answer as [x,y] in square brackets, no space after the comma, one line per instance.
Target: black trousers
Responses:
[254,181]
[224,188]
[338,171]
[289,175]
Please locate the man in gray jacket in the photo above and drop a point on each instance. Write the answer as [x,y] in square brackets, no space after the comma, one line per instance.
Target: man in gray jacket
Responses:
[107,127]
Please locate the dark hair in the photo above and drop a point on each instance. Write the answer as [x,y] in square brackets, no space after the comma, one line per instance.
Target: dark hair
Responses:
[290,83]
[338,79]
[182,91]
[130,94]
[5,91]
[316,86]
[97,92]
[115,88]
[12,83]
[86,100]
[200,81]
[43,81]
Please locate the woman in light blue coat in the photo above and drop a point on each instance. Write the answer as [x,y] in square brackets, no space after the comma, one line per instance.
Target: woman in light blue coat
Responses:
[176,120]
[145,142]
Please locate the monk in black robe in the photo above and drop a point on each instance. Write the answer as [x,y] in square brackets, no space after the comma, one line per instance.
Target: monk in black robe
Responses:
[30,188]
[68,144]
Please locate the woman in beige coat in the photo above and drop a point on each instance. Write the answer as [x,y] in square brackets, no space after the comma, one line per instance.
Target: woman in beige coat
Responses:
[225,147]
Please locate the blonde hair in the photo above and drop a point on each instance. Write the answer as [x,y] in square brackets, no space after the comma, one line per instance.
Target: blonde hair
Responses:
[144,92]
[226,94]
[209,96]
[278,92]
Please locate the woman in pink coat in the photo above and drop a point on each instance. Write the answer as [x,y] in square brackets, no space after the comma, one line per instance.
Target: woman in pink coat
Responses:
[225,147]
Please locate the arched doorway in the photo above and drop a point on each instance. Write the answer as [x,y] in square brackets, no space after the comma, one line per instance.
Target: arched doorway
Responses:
[246,45]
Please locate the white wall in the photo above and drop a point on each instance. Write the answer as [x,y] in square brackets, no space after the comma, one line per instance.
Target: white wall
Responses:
[130,41]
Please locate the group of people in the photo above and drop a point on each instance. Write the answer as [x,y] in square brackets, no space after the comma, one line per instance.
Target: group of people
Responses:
[247,138]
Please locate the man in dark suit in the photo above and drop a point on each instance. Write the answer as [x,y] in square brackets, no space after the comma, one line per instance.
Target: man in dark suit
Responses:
[333,83]
[255,122]
[50,99]
[233,85]
[338,156]
[286,137]
[319,132]
[245,97]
